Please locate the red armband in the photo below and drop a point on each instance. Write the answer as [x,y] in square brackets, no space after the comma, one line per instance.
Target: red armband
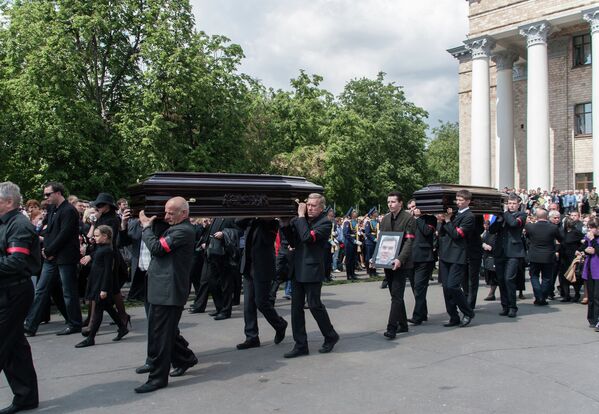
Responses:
[313,234]
[164,244]
[24,250]
[460,232]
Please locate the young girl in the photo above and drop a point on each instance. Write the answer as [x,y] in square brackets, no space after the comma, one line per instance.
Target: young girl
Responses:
[101,285]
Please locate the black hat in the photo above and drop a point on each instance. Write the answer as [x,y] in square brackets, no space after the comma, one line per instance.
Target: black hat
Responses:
[104,198]
[371,211]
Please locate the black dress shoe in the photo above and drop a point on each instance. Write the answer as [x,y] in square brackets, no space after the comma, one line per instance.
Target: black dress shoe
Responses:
[490,298]
[180,371]
[144,369]
[565,299]
[13,408]
[402,329]
[329,344]
[121,334]
[451,323]
[249,343]
[296,352]
[504,312]
[280,334]
[384,284]
[221,316]
[466,321]
[194,310]
[28,332]
[414,321]
[85,343]
[69,330]
[512,313]
[390,335]
[148,387]
[213,313]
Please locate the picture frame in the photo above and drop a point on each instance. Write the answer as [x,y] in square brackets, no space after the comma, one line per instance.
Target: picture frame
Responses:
[387,249]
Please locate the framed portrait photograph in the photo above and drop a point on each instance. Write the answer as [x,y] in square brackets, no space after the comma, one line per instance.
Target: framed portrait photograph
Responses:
[387,249]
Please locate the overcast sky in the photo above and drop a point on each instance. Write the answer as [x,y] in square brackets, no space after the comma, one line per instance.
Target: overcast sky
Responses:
[345,39]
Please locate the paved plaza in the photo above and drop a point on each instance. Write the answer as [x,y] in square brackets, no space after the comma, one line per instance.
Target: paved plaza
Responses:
[543,361]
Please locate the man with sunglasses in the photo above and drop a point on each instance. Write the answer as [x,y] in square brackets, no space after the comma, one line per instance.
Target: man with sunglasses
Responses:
[61,255]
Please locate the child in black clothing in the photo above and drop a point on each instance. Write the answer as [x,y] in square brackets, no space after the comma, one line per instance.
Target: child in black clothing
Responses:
[101,285]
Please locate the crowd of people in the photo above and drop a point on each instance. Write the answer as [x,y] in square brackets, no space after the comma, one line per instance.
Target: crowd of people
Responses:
[78,252]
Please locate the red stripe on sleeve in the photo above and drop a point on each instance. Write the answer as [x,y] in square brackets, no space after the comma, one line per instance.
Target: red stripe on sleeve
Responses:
[519,220]
[164,244]
[23,250]
[460,232]
[313,234]
[409,236]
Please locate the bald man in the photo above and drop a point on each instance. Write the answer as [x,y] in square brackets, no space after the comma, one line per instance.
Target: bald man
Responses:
[168,289]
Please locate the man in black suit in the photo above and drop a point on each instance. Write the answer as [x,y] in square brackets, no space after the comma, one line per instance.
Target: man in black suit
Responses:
[572,235]
[309,234]
[61,256]
[454,232]
[422,256]
[509,252]
[258,269]
[168,289]
[542,237]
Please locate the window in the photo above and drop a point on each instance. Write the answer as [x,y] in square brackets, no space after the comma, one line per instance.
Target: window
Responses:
[583,124]
[582,50]
[584,180]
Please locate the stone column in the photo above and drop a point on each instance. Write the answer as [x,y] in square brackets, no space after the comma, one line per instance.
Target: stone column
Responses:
[504,62]
[480,126]
[537,108]
[592,16]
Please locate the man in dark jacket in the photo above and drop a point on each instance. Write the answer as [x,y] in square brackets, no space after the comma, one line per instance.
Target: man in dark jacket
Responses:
[168,289]
[309,234]
[572,235]
[454,232]
[258,269]
[509,252]
[19,259]
[398,220]
[61,256]
[542,237]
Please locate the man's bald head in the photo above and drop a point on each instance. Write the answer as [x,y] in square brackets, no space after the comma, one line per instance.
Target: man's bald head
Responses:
[176,210]
[541,214]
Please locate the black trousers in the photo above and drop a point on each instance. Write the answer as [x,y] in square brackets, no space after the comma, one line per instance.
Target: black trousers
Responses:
[471,280]
[310,292]
[256,298]
[396,282]
[221,285]
[350,259]
[419,277]
[98,314]
[166,346]
[565,262]
[507,273]
[138,288]
[593,305]
[451,275]
[15,352]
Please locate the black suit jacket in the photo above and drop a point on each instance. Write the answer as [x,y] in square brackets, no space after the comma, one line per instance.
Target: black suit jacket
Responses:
[61,236]
[453,237]
[422,248]
[258,260]
[311,240]
[542,236]
[508,228]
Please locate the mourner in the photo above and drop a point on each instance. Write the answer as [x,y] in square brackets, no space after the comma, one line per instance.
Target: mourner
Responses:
[508,253]
[258,269]
[19,260]
[168,289]
[309,234]
[424,261]
[350,235]
[454,231]
[398,220]
[572,236]
[371,230]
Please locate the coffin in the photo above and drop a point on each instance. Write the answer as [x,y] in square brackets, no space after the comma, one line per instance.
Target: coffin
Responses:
[222,195]
[436,198]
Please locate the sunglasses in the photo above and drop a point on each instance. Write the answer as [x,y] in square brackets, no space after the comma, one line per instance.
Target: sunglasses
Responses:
[46,195]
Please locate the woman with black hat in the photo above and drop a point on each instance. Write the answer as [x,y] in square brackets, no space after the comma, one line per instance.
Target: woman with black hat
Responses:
[106,215]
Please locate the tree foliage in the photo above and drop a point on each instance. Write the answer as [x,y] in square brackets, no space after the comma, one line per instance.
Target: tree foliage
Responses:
[442,156]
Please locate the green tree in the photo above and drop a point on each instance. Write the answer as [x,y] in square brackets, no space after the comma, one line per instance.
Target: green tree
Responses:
[442,154]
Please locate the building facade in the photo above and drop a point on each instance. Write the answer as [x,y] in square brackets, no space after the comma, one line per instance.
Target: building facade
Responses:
[526,89]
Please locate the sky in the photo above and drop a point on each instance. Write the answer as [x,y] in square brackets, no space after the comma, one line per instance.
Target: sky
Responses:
[346,39]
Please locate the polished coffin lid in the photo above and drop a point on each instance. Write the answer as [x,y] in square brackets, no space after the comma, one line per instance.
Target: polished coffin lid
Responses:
[222,195]
[436,198]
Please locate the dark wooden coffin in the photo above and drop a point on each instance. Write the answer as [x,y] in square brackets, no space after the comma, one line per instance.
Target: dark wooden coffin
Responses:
[222,195]
[436,198]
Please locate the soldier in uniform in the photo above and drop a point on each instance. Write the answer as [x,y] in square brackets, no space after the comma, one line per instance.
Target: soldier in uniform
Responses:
[398,220]
[350,233]
[19,259]
[371,233]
